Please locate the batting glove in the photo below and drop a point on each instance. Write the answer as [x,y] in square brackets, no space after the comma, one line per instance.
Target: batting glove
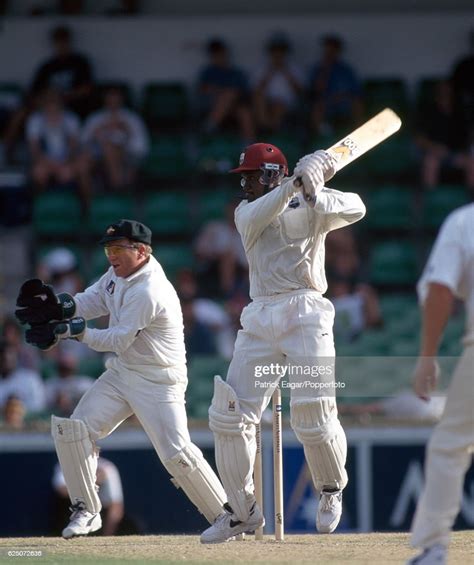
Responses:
[313,171]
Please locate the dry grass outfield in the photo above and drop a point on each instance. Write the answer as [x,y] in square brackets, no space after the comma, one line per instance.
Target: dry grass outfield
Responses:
[356,549]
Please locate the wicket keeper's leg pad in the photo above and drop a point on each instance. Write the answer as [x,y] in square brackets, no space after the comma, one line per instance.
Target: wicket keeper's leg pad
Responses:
[192,473]
[78,458]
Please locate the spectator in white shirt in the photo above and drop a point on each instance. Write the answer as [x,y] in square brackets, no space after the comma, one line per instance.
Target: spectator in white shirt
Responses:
[278,86]
[24,384]
[53,135]
[115,138]
[64,390]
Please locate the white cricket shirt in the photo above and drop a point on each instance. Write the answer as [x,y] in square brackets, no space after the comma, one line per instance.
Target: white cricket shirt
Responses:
[146,323]
[284,237]
[451,262]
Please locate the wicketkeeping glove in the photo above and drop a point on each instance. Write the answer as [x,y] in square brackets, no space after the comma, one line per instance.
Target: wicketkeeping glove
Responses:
[37,303]
[45,336]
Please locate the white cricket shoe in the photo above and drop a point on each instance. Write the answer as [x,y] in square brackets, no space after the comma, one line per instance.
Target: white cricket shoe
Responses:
[81,522]
[226,526]
[434,555]
[329,511]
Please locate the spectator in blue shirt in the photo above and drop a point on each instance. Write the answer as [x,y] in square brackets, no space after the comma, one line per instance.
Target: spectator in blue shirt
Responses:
[223,92]
[335,92]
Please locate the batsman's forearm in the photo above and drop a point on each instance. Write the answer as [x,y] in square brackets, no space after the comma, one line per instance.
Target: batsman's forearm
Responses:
[435,314]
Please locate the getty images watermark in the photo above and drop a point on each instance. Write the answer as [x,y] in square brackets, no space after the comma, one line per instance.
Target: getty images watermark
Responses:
[293,377]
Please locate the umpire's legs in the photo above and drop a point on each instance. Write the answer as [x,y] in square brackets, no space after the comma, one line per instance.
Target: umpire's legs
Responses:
[448,458]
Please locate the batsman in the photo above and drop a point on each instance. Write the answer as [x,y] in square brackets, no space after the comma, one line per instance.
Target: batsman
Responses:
[283,225]
[145,375]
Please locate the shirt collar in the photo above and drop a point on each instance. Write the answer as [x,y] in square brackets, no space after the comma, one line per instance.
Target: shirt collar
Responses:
[147,267]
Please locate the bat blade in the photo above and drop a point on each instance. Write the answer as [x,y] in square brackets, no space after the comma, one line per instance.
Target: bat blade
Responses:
[365,137]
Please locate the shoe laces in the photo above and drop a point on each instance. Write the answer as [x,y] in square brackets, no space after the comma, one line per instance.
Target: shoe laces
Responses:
[77,509]
[329,501]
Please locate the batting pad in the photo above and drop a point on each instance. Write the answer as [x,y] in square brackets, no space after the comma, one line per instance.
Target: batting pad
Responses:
[78,459]
[193,474]
[235,448]
[317,427]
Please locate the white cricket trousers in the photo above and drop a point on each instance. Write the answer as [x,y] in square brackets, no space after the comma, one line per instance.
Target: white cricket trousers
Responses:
[293,330]
[159,407]
[448,458]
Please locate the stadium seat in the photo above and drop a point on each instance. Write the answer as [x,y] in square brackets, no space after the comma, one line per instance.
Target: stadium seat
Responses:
[393,263]
[212,204]
[174,257]
[168,157]
[440,201]
[380,93]
[218,153]
[10,95]
[165,104]
[97,264]
[394,156]
[107,209]
[390,208]
[57,214]
[201,371]
[168,213]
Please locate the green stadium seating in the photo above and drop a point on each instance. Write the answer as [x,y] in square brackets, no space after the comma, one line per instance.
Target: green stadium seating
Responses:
[219,153]
[168,157]
[97,264]
[57,214]
[10,95]
[201,371]
[397,305]
[165,104]
[392,157]
[167,213]
[107,209]
[390,208]
[380,93]
[173,257]
[393,263]
[91,367]
[212,204]
[440,201]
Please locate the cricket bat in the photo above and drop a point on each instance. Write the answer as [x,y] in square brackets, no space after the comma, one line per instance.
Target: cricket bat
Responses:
[363,139]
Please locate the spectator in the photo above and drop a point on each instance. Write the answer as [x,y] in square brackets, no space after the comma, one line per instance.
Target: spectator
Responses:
[356,307]
[115,138]
[67,72]
[110,495]
[355,302]
[12,335]
[442,139]
[278,87]
[13,414]
[334,89]
[223,266]
[198,337]
[53,139]
[60,268]
[223,93]
[64,390]
[207,312]
[24,384]
[463,85]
